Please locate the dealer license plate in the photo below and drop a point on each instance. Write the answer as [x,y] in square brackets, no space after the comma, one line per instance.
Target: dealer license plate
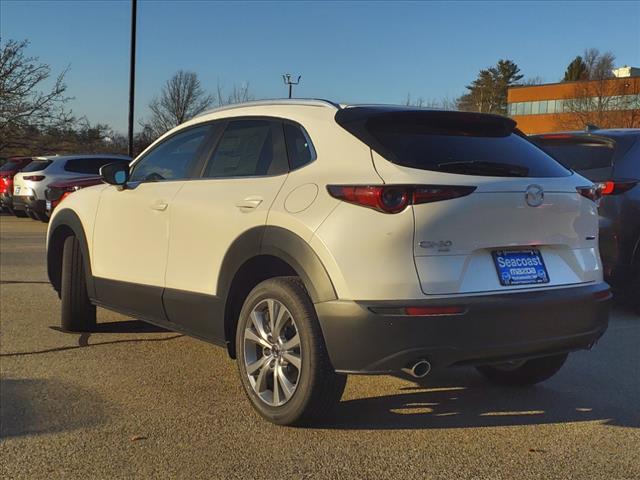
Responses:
[520,267]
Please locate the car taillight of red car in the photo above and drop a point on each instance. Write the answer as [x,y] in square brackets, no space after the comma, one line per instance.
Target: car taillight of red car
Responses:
[56,193]
[6,184]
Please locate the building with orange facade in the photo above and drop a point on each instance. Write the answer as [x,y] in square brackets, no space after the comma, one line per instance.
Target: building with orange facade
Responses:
[609,103]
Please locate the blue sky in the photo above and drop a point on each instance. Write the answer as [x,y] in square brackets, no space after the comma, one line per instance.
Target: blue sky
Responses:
[345,51]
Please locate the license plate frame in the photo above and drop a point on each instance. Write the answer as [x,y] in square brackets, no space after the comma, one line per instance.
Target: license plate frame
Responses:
[531,270]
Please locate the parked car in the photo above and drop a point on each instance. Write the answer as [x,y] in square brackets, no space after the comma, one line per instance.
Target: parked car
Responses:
[58,191]
[7,172]
[30,184]
[317,240]
[611,158]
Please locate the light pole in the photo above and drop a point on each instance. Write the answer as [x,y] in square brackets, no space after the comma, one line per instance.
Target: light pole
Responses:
[287,81]
[132,72]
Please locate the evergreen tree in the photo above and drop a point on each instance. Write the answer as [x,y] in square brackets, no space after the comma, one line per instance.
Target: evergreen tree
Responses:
[488,92]
[577,70]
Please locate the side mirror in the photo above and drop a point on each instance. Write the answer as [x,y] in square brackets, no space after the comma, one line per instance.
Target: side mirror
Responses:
[116,173]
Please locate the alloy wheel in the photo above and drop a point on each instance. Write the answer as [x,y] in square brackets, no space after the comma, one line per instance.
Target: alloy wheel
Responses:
[272,352]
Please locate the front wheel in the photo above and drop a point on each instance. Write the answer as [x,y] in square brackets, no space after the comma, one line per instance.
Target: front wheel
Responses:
[525,372]
[78,313]
[281,355]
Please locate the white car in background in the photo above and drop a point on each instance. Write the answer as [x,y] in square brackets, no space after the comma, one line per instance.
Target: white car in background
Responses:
[315,240]
[30,184]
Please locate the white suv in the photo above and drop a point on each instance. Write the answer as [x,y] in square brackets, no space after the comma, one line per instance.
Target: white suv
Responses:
[316,240]
[30,184]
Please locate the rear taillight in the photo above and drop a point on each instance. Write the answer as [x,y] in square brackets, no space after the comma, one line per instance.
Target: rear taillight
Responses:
[34,178]
[57,194]
[395,198]
[616,187]
[592,192]
[603,295]
[5,184]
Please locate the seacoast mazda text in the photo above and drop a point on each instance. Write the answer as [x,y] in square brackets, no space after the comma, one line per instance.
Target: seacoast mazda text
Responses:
[315,240]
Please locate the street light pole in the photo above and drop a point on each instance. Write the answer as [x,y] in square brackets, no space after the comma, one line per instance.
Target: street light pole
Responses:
[290,83]
[132,72]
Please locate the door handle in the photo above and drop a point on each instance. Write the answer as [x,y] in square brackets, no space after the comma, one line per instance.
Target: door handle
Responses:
[159,206]
[249,203]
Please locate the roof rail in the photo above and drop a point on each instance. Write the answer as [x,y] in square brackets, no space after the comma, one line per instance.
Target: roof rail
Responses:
[312,102]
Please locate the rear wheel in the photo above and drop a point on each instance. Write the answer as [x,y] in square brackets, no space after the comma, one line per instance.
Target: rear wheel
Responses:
[18,213]
[43,217]
[78,313]
[525,372]
[281,355]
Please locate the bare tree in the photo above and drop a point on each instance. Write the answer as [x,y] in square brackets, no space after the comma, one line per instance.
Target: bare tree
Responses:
[599,65]
[239,94]
[26,106]
[602,100]
[532,81]
[445,103]
[181,98]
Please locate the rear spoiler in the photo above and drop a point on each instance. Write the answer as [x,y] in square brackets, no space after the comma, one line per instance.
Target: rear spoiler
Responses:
[417,120]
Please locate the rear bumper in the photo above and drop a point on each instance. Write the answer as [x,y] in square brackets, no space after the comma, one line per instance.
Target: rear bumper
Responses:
[29,203]
[493,328]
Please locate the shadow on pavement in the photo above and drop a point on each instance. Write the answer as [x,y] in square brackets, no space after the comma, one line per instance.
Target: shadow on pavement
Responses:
[123,326]
[126,326]
[460,398]
[32,407]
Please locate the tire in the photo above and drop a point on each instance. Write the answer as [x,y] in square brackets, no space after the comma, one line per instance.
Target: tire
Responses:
[313,388]
[525,373]
[43,217]
[78,314]
[633,293]
[18,213]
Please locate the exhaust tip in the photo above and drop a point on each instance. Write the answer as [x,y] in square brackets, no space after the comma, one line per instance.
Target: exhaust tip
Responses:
[419,369]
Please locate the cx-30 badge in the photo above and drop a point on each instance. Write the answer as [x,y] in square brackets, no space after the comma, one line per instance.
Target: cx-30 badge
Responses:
[534,195]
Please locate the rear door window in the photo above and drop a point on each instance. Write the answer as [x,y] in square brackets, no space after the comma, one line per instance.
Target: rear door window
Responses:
[454,142]
[249,148]
[89,166]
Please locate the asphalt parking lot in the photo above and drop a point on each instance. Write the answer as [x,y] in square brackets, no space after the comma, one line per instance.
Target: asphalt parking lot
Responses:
[131,400]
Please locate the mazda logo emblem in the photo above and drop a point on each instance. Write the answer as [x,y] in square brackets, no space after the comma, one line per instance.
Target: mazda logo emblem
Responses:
[534,195]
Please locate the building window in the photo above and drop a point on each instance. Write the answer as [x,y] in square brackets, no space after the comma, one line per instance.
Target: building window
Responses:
[535,108]
[543,106]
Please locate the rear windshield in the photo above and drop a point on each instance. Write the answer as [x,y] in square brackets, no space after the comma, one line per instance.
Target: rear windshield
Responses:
[455,142]
[578,153]
[37,165]
[11,165]
[90,166]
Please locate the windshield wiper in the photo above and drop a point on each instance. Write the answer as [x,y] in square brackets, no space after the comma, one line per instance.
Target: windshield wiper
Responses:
[484,168]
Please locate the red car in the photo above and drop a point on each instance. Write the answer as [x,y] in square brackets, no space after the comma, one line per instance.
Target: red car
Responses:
[7,172]
[56,192]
